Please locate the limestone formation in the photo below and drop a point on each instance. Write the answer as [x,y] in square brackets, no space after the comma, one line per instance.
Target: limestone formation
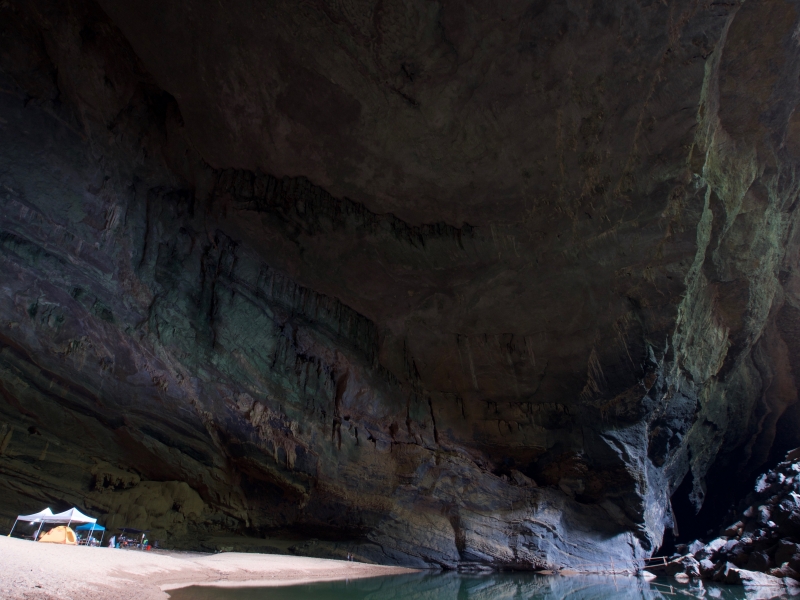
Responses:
[456,284]
[760,546]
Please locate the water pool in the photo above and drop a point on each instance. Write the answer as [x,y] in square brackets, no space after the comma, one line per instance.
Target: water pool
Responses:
[452,586]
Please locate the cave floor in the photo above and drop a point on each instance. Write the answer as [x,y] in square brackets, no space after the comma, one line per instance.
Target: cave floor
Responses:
[47,571]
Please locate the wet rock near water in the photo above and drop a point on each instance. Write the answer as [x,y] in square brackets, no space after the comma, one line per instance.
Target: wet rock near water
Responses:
[760,544]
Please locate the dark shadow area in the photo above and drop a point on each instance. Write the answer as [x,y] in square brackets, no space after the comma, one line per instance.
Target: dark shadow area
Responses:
[725,489]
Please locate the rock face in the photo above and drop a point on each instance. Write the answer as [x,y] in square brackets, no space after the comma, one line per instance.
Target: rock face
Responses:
[441,283]
[760,546]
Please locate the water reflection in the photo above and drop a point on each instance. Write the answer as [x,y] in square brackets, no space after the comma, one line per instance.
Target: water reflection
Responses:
[497,586]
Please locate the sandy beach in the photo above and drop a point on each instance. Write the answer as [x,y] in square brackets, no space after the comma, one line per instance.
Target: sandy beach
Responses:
[35,571]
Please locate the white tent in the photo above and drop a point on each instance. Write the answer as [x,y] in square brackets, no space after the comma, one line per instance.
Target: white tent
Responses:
[73,515]
[34,518]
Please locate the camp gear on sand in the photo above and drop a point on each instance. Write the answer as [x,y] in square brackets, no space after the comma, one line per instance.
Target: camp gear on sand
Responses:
[59,535]
[73,515]
[91,528]
[132,542]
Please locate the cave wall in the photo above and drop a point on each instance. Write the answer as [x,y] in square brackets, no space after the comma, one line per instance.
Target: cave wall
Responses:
[452,284]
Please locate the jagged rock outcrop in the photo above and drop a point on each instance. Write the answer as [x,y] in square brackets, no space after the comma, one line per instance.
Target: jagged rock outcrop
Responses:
[759,547]
[442,284]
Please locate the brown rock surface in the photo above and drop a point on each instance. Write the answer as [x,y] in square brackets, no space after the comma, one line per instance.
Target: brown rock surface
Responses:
[436,283]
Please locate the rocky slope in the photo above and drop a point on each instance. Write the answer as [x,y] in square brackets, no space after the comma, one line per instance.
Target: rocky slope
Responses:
[439,284]
[758,546]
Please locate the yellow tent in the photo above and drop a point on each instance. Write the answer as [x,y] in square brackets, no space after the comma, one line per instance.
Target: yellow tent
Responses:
[59,535]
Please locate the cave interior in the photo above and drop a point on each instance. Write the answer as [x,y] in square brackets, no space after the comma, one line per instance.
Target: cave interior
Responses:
[438,284]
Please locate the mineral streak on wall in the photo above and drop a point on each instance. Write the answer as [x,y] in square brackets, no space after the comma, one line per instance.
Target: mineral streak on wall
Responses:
[443,283]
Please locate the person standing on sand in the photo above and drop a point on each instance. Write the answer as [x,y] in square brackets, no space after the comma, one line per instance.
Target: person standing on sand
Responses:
[112,542]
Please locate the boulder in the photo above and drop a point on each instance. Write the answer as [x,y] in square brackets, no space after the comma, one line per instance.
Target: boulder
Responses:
[734,530]
[740,558]
[711,549]
[759,582]
[691,567]
[687,565]
[785,571]
[694,547]
[787,551]
[758,561]
[706,568]
[722,572]
[730,546]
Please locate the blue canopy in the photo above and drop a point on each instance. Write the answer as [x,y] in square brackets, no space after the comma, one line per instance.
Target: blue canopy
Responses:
[89,527]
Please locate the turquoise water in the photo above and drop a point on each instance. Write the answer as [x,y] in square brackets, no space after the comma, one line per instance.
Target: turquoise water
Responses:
[452,586]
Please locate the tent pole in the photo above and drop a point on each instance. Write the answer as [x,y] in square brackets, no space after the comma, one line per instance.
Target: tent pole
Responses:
[36,537]
[12,528]
[90,535]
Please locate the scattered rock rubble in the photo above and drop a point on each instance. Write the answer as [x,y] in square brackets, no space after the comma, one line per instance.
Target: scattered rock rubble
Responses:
[761,548]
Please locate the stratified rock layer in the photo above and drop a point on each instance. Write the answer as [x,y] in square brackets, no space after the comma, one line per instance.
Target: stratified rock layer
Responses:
[442,284]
